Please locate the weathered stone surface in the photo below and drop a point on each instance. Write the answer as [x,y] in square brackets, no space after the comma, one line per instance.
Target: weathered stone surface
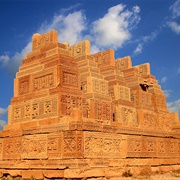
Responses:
[77,115]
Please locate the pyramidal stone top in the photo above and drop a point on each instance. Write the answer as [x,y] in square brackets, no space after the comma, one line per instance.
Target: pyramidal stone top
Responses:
[73,110]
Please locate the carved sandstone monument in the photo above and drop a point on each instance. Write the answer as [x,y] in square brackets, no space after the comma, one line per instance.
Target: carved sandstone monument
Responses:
[76,114]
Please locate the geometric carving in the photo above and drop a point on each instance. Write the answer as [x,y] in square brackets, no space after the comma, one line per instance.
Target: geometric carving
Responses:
[59,128]
[72,144]
[69,78]
[104,58]
[68,103]
[34,146]
[35,109]
[96,85]
[142,99]
[82,48]
[147,119]
[54,143]
[141,146]
[100,110]
[12,148]
[122,92]
[42,82]
[159,101]
[39,41]
[144,69]
[123,63]
[104,145]
[24,85]
[126,115]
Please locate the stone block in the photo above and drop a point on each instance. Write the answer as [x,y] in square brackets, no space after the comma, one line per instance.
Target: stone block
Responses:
[122,92]
[37,174]
[81,115]
[53,174]
[126,115]
[84,172]
[72,144]
[34,146]
[12,148]
[123,63]
[54,145]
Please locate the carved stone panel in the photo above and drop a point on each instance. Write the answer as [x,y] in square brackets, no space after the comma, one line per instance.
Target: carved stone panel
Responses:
[43,80]
[100,110]
[163,147]
[35,109]
[126,115]
[96,85]
[141,146]
[159,101]
[24,85]
[12,148]
[82,48]
[69,78]
[122,92]
[105,58]
[34,146]
[144,69]
[39,41]
[54,146]
[147,119]
[72,145]
[142,99]
[123,63]
[102,145]
[69,102]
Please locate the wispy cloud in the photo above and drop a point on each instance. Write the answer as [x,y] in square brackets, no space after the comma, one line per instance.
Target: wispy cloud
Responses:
[175,14]
[163,79]
[4,59]
[139,48]
[70,27]
[174,106]
[178,71]
[167,92]
[144,40]
[2,123]
[3,111]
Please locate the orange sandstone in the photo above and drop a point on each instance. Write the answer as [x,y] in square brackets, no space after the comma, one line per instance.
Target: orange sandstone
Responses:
[76,114]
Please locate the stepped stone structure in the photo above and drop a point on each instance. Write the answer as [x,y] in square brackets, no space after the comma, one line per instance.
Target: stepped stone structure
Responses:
[76,115]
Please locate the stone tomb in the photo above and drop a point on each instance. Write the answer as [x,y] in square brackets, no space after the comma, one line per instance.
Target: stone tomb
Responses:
[76,114]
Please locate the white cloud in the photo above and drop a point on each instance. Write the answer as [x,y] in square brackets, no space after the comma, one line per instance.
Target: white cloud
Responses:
[2,123]
[114,28]
[174,106]
[174,27]
[175,9]
[167,92]
[110,31]
[3,111]
[144,40]
[69,27]
[4,59]
[164,79]
[138,49]
[178,71]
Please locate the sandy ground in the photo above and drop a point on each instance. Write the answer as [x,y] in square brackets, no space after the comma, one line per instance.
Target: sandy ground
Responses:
[165,176]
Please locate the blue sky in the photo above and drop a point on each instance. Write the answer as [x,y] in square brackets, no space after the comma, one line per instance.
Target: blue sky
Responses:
[146,30]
